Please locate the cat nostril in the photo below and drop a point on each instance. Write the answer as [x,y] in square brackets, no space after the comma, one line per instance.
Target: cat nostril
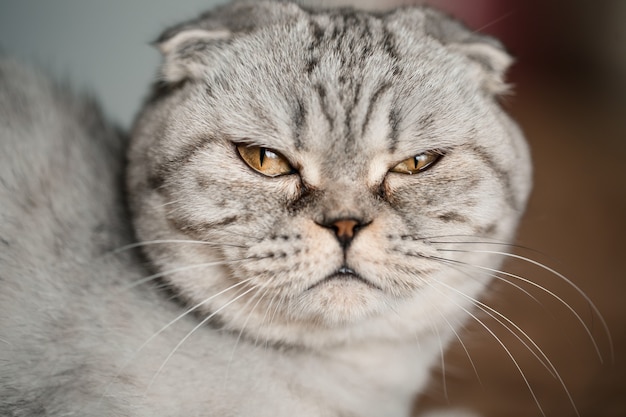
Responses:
[344,229]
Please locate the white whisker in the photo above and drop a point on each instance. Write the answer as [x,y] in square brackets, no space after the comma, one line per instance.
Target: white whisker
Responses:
[169,203]
[483,242]
[168,325]
[265,289]
[547,364]
[508,352]
[490,311]
[246,236]
[171,241]
[191,332]
[551,293]
[180,269]
[267,309]
[273,316]
[191,310]
[493,22]
[458,337]
[443,362]
[168,272]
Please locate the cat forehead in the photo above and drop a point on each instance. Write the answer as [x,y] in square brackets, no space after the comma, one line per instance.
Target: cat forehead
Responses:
[330,45]
[278,51]
[333,78]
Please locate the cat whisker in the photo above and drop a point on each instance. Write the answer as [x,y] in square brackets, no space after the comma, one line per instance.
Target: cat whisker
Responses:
[475,240]
[516,286]
[433,237]
[495,275]
[183,269]
[489,274]
[168,325]
[547,365]
[496,20]
[462,240]
[442,359]
[481,306]
[491,312]
[245,236]
[273,316]
[543,359]
[463,346]
[551,293]
[484,242]
[192,309]
[500,342]
[267,310]
[169,203]
[190,333]
[260,288]
[172,241]
[168,272]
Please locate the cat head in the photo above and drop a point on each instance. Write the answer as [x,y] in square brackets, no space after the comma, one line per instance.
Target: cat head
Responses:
[316,160]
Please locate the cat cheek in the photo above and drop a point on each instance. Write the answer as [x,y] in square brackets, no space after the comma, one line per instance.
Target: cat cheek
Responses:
[289,188]
[405,194]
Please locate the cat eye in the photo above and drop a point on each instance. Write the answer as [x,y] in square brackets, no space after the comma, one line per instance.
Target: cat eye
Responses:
[417,163]
[265,161]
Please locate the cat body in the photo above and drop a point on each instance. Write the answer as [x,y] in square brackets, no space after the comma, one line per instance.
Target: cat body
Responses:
[298,182]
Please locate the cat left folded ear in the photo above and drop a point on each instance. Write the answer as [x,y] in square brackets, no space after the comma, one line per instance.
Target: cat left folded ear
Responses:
[185,53]
[189,49]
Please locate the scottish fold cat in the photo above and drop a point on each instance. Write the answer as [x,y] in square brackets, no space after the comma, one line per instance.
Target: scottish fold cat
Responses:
[296,230]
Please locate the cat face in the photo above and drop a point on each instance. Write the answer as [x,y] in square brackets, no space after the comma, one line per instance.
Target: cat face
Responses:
[316,162]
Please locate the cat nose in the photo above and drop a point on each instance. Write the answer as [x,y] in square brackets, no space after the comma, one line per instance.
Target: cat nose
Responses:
[345,229]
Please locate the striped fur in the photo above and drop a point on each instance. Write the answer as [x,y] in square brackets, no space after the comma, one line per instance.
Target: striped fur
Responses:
[328,291]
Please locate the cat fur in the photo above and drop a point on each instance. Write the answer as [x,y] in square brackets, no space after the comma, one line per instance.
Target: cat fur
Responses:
[344,95]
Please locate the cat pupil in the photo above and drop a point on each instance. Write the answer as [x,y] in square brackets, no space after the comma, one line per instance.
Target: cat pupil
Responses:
[418,160]
[266,153]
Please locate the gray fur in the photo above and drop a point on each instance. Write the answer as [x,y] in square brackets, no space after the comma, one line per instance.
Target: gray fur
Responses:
[344,95]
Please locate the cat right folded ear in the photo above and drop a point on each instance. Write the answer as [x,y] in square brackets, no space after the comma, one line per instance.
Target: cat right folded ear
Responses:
[490,59]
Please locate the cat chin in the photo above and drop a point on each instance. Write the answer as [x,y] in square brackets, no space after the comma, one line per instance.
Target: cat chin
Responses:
[381,321]
[337,312]
[339,301]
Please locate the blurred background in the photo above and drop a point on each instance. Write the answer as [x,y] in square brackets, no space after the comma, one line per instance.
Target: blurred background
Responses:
[570,98]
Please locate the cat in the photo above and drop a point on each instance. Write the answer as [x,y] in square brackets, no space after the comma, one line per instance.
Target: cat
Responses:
[284,232]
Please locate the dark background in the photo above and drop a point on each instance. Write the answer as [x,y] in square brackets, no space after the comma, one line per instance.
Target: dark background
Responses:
[570,99]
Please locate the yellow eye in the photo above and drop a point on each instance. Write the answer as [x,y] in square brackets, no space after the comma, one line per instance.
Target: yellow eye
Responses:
[418,163]
[265,161]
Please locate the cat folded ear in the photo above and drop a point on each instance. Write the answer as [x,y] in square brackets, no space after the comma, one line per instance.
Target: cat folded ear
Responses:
[190,48]
[490,57]
[493,60]
[185,50]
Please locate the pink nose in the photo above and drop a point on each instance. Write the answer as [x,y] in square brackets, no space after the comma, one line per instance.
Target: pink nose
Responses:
[344,229]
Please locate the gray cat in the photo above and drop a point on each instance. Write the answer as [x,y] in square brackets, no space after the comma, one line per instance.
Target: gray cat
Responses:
[303,185]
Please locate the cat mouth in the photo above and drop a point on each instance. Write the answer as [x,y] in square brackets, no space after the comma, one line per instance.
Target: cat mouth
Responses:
[345,274]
